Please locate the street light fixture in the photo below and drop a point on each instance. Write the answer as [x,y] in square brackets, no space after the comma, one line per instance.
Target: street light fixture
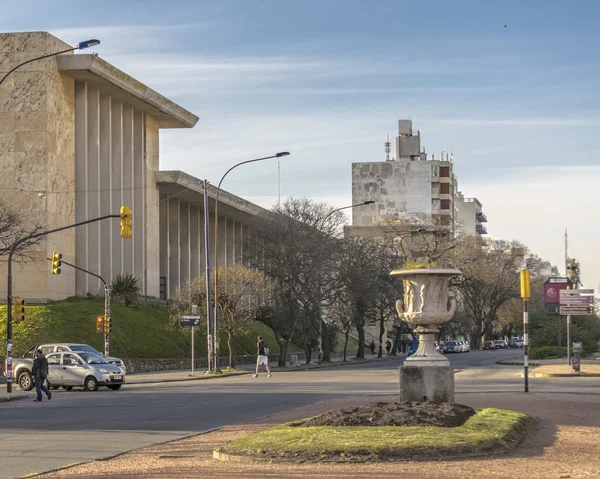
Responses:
[369,202]
[80,46]
[216,246]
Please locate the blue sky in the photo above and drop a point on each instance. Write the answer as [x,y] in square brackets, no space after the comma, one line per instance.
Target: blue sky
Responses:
[326,80]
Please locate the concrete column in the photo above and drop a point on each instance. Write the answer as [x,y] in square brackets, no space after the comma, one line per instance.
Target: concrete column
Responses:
[184,241]
[230,241]
[116,193]
[174,245]
[138,239]
[247,247]
[81,183]
[222,239]
[105,190]
[127,185]
[94,187]
[194,242]
[201,249]
[164,239]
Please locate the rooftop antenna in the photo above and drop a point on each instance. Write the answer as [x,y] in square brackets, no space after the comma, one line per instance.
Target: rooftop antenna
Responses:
[387,147]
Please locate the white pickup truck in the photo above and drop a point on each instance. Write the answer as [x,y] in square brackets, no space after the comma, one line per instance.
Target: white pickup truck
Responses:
[21,367]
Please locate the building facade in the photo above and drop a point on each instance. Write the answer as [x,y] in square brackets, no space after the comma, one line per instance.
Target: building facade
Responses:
[470,218]
[79,138]
[410,184]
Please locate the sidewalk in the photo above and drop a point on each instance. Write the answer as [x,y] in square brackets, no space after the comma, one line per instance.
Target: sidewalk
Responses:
[199,375]
[518,361]
[563,444]
[16,395]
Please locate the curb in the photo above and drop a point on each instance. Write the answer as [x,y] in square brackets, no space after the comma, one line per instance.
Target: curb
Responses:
[516,362]
[573,375]
[192,378]
[16,398]
[336,364]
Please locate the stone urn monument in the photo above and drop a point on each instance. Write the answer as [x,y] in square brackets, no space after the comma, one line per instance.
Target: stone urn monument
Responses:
[427,374]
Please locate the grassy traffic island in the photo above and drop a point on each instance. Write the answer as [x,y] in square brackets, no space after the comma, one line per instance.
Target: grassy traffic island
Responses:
[385,432]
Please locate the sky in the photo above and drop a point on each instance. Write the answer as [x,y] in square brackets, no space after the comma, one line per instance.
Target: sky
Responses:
[511,88]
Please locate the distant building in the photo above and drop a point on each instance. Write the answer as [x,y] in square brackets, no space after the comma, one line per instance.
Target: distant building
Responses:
[410,184]
[470,217]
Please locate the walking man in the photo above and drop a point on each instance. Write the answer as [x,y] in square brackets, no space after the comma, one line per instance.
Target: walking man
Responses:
[263,357]
[39,371]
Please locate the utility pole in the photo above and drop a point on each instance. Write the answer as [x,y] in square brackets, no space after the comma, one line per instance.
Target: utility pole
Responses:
[525,294]
[209,329]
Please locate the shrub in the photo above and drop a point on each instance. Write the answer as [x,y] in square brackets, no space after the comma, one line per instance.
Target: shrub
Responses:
[544,352]
[124,284]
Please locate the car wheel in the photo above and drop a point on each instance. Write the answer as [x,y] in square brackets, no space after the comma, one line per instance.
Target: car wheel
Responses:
[115,387]
[90,384]
[25,382]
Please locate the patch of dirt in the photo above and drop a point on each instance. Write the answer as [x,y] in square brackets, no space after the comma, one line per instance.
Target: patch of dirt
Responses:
[396,414]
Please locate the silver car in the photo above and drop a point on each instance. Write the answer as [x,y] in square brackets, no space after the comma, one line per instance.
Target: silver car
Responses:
[60,347]
[80,369]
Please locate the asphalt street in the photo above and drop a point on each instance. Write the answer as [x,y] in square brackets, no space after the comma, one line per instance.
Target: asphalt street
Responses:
[79,426]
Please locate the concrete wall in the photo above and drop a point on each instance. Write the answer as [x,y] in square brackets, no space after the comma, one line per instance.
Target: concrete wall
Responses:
[397,187]
[37,155]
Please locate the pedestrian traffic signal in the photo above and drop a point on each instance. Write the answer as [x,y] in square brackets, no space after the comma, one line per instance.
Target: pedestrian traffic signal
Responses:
[107,325]
[126,222]
[18,310]
[99,324]
[56,263]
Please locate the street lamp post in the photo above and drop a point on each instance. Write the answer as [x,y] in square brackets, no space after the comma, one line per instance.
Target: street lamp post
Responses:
[216,246]
[80,46]
[370,202]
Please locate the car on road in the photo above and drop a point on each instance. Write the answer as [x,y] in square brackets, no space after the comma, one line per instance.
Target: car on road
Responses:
[519,343]
[489,345]
[466,346]
[83,369]
[500,344]
[22,366]
[451,347]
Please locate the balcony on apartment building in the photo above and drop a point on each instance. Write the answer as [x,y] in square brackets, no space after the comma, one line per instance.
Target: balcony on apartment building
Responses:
[480,216]
[482,230]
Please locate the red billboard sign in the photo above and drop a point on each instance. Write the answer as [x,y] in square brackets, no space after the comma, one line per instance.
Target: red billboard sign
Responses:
[552,288]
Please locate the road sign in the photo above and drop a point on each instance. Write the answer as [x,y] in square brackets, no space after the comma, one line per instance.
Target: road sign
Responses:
[189,320]
[558,281]
[577,310]
[576,291]
[572,300]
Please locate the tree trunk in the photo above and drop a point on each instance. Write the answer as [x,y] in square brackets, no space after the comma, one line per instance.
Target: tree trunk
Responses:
[361,341]
[283,345]
[326,345]
[231,360]
[396,344]
[381,331]
[308,354]
[347,335]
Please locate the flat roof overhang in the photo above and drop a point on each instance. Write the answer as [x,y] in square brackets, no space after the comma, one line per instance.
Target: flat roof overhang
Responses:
[177,184]
[121,86]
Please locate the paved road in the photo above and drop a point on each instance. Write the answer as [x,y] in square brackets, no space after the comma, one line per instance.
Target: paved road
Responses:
[77,426]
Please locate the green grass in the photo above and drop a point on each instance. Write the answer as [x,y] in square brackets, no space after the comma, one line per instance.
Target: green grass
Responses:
[489,429]
[141,332]
[352,344]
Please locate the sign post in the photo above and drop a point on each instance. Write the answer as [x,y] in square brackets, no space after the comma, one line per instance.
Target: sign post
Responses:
[192,321]
[575,302]
[525,294]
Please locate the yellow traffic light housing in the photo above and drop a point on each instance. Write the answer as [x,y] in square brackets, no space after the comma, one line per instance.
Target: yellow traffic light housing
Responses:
[126,222]
[107,325]
[525,285]
[99,324]
[56,263]
[18,310]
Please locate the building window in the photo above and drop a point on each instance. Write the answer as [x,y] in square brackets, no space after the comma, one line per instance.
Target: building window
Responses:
[445,204]
[435,170]
[445,188]
[445,172]
[163,287]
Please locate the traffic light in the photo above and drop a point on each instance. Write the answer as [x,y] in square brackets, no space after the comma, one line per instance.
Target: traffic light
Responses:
[126,222]
[56,263]
[107,325]
[99,325]
[18,310]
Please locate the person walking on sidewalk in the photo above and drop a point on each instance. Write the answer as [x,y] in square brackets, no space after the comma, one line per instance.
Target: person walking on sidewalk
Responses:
[263,357]
[39,372]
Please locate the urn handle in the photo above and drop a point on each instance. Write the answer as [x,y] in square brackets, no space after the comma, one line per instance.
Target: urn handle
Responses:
[452,306]
[399,307]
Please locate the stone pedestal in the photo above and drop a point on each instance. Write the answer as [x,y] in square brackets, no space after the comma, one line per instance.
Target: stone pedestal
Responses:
[427,383]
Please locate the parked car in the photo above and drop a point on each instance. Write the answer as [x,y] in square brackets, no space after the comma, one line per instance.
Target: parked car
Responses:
[489,345]
[22,366]
[81,369]
[451,347]
[500,344]
[519,343]
[467,346]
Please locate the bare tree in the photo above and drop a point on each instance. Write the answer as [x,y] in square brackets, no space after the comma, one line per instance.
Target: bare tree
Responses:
[419,238]
[18,235]
[242,292]
[490,279]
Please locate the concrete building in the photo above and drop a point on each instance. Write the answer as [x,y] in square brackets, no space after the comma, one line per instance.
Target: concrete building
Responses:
[410,184]
[470,218]
[78,139]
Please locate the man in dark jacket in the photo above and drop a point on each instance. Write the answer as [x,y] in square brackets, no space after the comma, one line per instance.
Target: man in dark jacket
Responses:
[263,357]
[39,372]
